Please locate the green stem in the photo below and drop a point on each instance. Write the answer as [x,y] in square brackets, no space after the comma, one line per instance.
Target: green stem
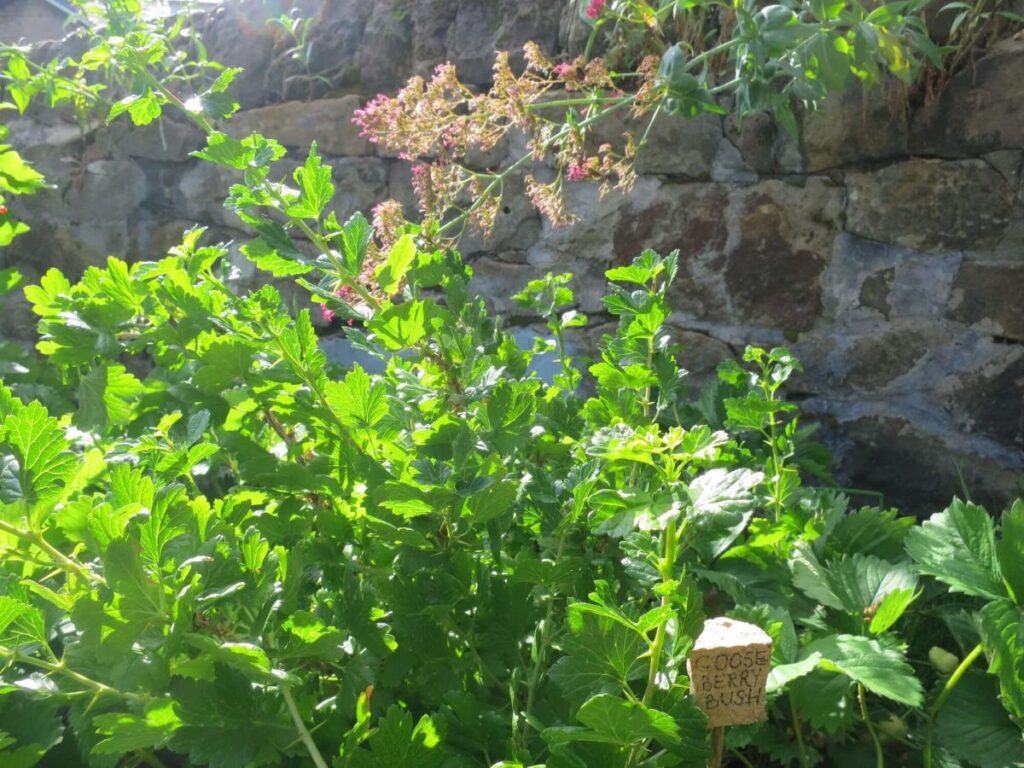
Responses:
[862,697]
[300,727]
[947,689]
[657,646]
[61,560]
[798,731]
[542,647]
[60,669]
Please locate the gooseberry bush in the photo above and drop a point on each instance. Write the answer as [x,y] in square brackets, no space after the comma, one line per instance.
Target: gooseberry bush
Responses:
[221,549]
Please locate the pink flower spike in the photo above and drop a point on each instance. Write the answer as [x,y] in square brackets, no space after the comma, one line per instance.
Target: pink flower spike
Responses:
[596,8]
[564,69]
[327,314]
[577,172]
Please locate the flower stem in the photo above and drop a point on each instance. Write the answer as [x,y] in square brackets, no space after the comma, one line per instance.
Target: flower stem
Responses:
[947,689]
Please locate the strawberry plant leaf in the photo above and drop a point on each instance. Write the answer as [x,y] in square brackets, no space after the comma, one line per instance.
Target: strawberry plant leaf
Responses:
[882,670]
[975,728]
[1002,630]
[1010,550]
[958,547]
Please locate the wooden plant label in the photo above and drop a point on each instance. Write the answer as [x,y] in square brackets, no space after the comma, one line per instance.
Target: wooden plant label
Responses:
[728,670]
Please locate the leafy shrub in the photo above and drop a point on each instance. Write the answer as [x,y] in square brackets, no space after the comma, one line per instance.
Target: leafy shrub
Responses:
[221,549]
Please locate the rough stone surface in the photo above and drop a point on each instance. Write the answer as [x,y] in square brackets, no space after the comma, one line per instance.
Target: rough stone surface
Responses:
[886,246]
[981,110]
[328,122]
[931,205]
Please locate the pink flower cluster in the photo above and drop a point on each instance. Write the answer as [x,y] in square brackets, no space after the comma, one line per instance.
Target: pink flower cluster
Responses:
[345,293]
[596,8]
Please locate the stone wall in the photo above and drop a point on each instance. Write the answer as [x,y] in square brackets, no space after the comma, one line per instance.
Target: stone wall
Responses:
[886,247]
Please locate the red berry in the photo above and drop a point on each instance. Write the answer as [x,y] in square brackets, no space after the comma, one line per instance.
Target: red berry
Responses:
[3,210]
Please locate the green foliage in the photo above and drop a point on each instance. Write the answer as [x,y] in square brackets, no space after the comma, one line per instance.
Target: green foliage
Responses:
[221,549]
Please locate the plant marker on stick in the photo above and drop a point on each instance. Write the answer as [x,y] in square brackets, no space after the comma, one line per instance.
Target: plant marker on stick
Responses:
[728,669]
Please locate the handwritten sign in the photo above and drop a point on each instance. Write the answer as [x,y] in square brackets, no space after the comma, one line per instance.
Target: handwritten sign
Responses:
[728,670]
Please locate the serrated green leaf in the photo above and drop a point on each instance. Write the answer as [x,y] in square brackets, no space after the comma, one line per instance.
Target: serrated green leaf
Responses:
[882,670]
[492,503]
[890,609]
[357,400]
[958,547]
[1002,630]
[602,656]
[976,728]
[1010,550]
[314,180]
[106,397]
[400,258]
[44,462]
[229,723]
[618,721]
[722,505]
[126,732]
[398,743]
[783,674]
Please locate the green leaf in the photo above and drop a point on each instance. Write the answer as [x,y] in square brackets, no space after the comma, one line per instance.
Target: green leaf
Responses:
[400,258]
[783,674]
[722,505]
[314,180]
[140,598]
[222,149]
[287,264]
[142,108]
[398,743]
[1010,550]
[10,279]
[248,659]
[974,727]
[357,400]
[44,462]
[400,326]
[613,720]
[127,732]
[871,531]
[493,502]
[851,584]
[106,397]
[17,176]
[1002,631]
[882,670]
[890,609]
[229,723]
[355,238]
[602,656]
[958,547]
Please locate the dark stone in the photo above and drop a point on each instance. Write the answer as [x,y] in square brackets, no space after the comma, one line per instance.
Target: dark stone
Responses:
[773,275]
[918,472]
[874,293]
[931,205]
[992,404]
[980,110]
[990,297]
[875,361]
